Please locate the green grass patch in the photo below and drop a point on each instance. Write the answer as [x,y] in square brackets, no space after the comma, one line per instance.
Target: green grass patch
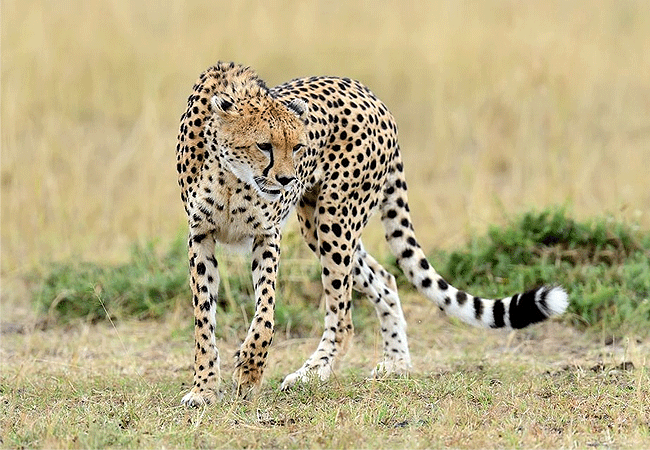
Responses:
[144,287]
[604,265]
[155,281]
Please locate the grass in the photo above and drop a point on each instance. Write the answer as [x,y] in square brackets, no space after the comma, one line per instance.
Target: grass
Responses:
[85,388]
[82,382]
[358,415]
[514,106]
[153,282]
[604,264]
[143,288]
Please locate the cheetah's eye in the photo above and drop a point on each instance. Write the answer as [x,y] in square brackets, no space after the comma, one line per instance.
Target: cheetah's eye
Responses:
[265,146]
[297,148]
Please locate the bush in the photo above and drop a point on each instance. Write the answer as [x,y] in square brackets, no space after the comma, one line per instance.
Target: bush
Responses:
[604,265]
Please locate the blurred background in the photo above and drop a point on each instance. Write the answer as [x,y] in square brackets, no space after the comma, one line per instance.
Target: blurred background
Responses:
[503,106]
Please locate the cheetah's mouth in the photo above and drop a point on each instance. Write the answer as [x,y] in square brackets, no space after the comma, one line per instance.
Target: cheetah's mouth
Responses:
[267,190]
[270,191]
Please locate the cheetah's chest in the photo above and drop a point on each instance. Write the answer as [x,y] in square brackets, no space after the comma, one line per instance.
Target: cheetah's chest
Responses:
[235,213]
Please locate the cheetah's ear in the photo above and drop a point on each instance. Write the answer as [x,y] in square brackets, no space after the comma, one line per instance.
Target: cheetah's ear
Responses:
[299,107]
[223,105]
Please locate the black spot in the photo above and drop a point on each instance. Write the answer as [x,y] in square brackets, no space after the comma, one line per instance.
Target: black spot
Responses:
[426,282]
[498,313]
[442,284]
[424,264]
[200,268]
[478,308]
[461,297]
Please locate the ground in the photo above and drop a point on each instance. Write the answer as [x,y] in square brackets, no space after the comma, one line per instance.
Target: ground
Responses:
[103,385]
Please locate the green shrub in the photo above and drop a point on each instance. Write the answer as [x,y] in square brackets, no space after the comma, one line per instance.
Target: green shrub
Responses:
[145,287]
[604,265]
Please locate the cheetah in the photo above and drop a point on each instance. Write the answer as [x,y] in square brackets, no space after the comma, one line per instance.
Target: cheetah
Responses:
[247,155]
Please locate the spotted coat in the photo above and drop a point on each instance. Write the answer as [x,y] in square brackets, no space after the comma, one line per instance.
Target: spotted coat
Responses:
[327,147]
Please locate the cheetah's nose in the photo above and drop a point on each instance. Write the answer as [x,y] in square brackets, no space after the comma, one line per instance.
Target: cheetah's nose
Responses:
[284,180]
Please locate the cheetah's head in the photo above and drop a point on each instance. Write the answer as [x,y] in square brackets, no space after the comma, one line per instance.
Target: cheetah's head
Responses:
[260,140]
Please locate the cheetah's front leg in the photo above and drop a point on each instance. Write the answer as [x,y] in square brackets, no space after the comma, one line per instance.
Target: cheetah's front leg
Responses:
[250,360]
[204,280]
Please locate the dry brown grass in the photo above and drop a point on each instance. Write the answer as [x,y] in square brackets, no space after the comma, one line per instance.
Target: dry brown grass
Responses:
[549,387]
[502,106]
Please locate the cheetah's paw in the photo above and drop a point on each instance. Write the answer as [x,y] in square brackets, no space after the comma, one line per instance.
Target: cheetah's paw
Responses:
[246,382]
[196,399]
[305,374]
[389,367]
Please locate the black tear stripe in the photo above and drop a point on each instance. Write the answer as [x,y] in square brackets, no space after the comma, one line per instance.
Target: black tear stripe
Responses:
[265,172]
[524,311]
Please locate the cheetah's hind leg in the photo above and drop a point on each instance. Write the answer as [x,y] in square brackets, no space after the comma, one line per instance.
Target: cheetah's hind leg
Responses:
[379,286]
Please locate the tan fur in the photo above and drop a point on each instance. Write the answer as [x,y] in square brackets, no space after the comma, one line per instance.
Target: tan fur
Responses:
[248,155]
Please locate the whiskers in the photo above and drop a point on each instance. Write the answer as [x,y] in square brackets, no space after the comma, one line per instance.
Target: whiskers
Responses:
[297,182]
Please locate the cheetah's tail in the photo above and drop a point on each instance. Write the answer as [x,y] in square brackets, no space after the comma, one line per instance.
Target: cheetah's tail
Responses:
[517,311]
